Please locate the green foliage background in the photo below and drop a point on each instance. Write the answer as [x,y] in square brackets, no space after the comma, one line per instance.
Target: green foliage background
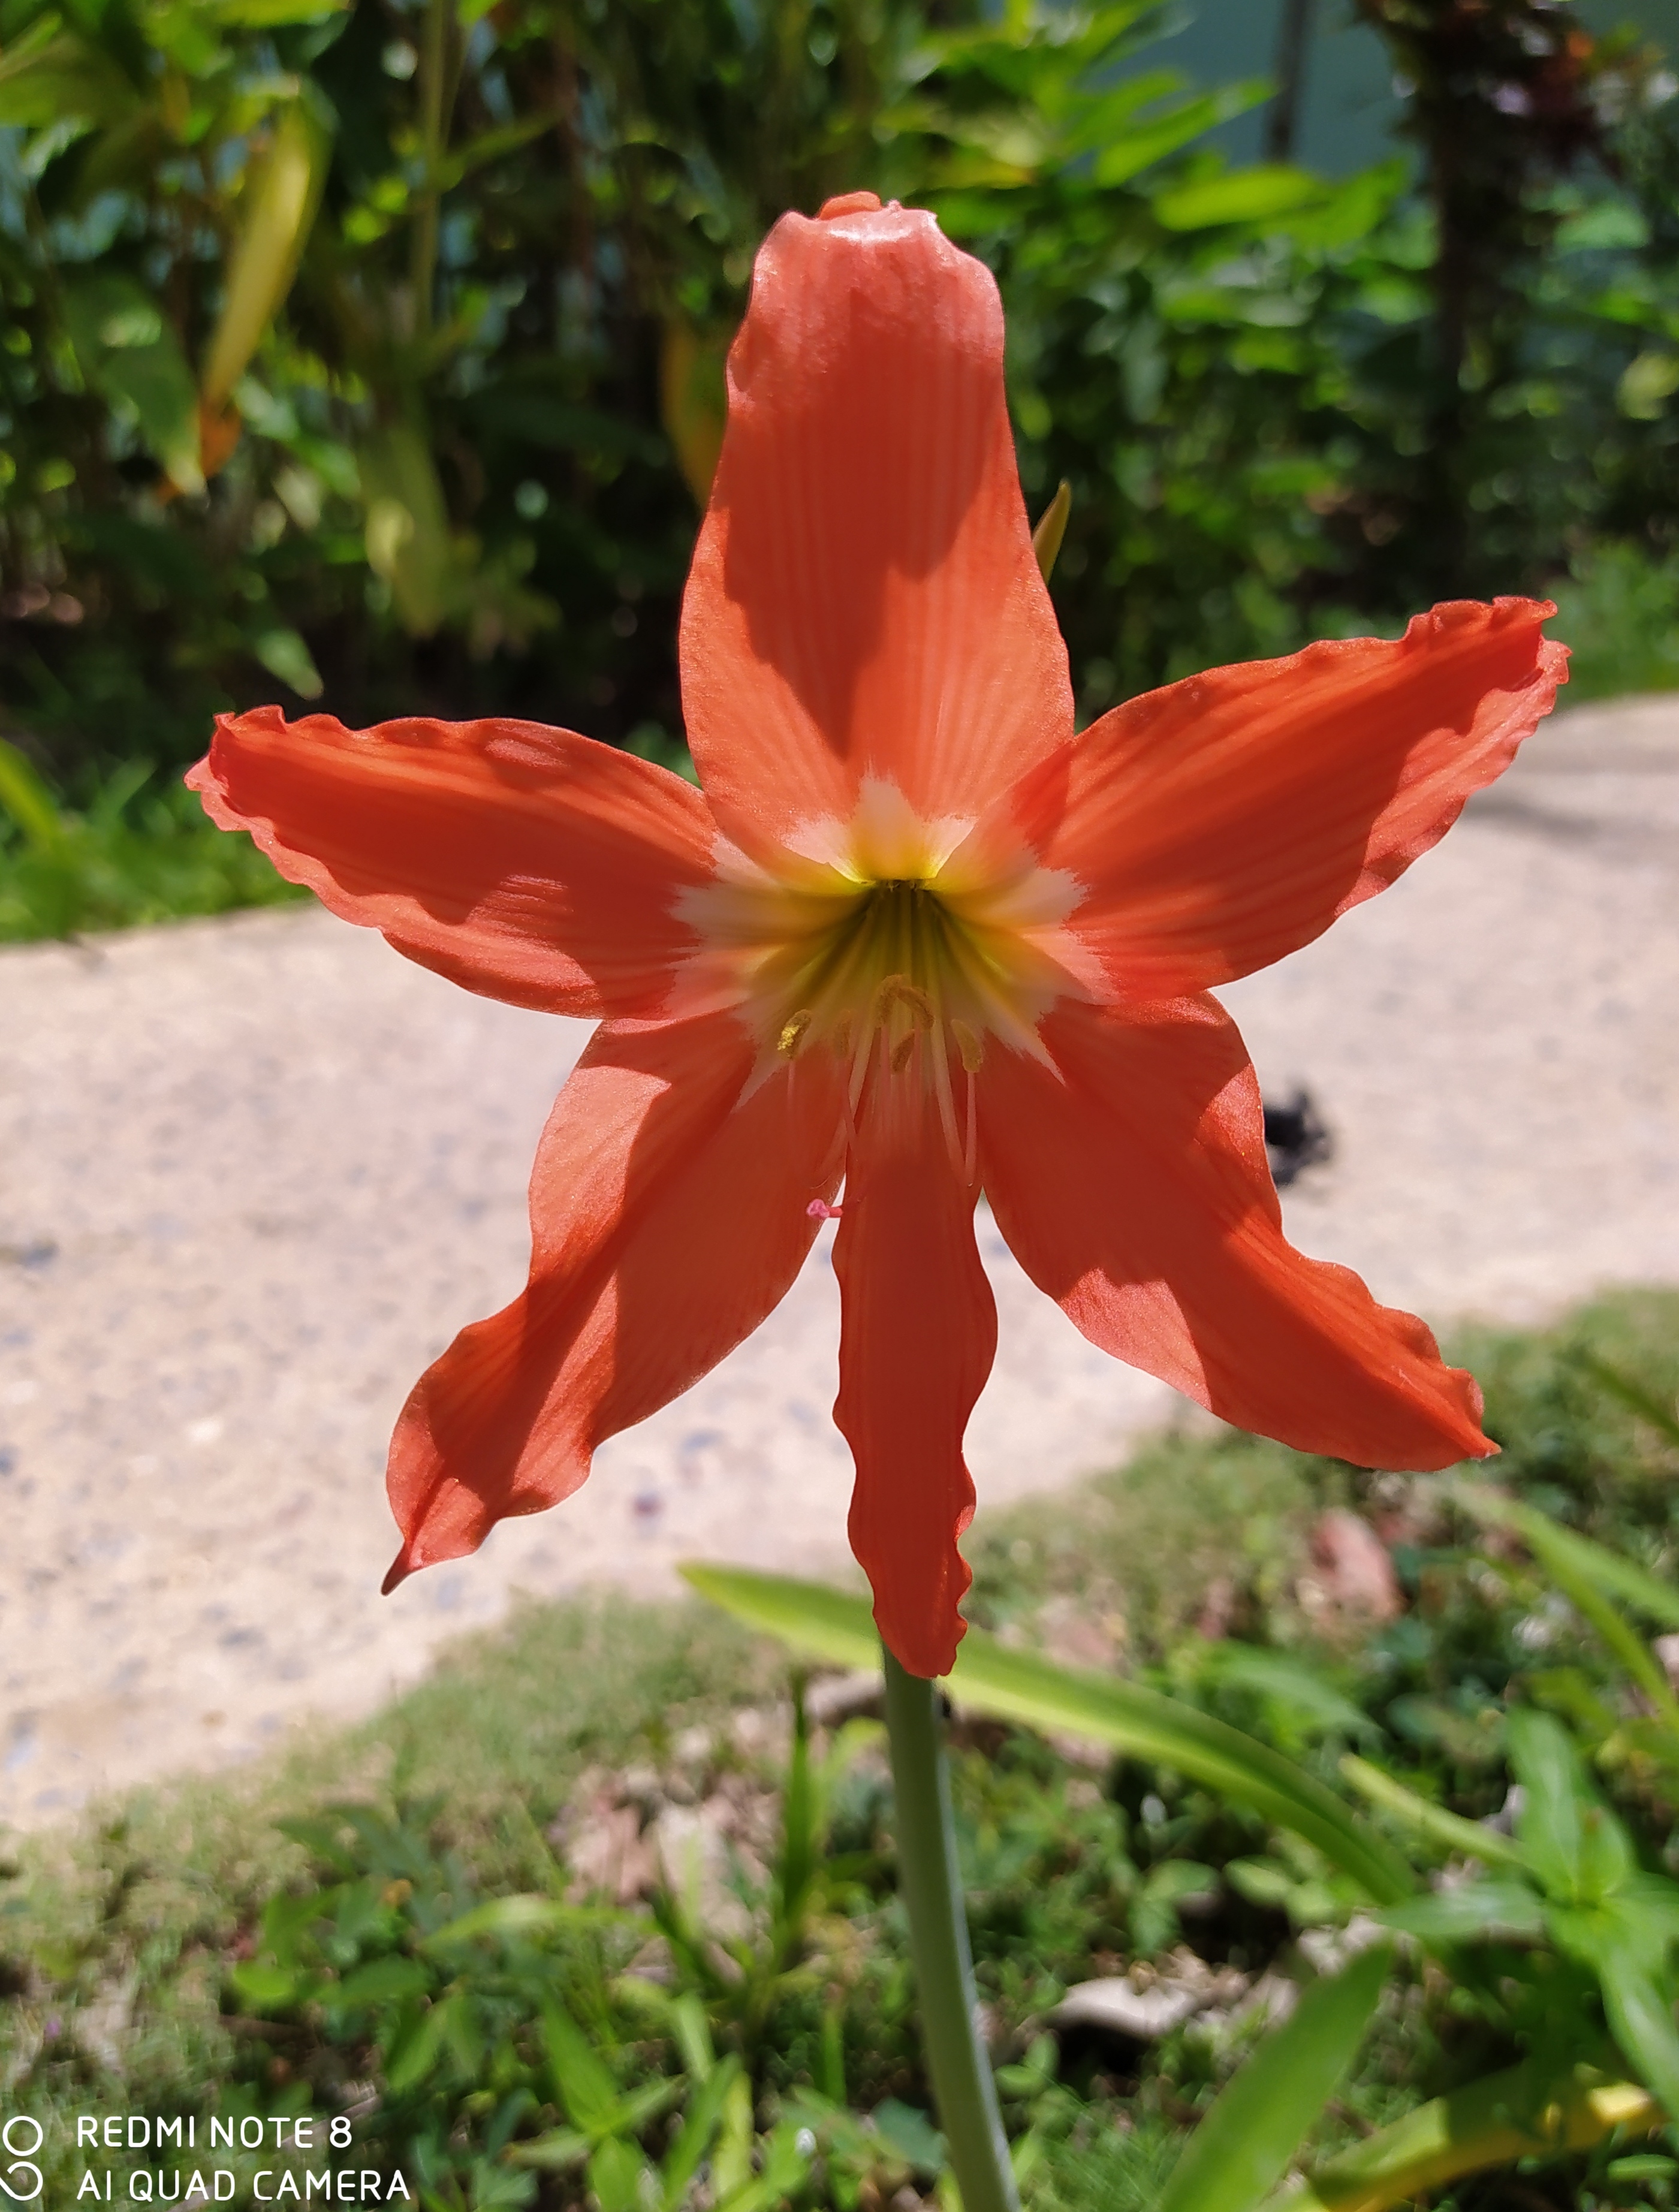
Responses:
[452,464]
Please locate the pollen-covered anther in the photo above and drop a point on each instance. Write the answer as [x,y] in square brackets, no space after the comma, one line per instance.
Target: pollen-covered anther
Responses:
[895,990]
[795,1031]
[969,1045]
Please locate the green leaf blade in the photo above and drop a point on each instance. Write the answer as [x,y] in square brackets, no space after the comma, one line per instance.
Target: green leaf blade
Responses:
[1248,2140]
[1020,1686]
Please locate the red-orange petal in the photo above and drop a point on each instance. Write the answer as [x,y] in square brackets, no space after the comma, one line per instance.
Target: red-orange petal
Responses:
[917,1337]
[864,600]
[1132,1186]
[529,864]
[668,1213]
[1225,821]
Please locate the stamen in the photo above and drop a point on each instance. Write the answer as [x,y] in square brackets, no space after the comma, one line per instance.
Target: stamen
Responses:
[940,1062]
[902,1052]
[794,1032]
[970,1046]
[899,991]
[819,1210]
[971,1135]
[894,991]
[860,1059]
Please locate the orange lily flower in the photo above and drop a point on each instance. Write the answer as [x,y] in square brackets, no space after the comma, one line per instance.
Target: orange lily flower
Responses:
[913,933]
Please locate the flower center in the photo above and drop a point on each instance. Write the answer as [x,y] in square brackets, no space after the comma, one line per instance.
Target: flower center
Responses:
[902,955]
[895,963]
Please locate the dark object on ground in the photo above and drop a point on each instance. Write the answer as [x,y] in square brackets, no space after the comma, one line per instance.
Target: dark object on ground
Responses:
[1296,1137]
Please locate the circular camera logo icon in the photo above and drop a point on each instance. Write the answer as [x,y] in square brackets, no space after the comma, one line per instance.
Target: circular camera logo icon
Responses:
[22,2180]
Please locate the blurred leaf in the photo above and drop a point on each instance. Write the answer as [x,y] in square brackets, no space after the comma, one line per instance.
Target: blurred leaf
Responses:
[382,1980]
[1256,2123]
[560,2150]
[1638,2004]
[130,354]
[267,1988]
[503,1916]
[1474,1911]
[1144,143]
[283,653]
[1244,196]
[28,801]
[407,537]
[699,2122]
[1474,1838]
[272,14]
[616,2169]
[1558,1547]
[1280,1676]
[413,2056]
[1646,385]
[1524,2113]
[1549,1825]
[1174,1878]
[732,2160]
[1661,1415]
[279,205]
[49,76]
[1021,1686]
[911,2135]
[587,2090]
[693,402]
[785,2169]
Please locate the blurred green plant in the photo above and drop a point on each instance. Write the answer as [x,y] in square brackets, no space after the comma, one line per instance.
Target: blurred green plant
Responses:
[373,348]
[135,855]
[489,2004]
[1571,1937]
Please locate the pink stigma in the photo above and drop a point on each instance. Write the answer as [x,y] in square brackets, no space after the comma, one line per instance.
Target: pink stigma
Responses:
[819,1210]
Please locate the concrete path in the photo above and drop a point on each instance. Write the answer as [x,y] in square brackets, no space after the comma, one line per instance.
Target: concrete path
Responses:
[255,1173]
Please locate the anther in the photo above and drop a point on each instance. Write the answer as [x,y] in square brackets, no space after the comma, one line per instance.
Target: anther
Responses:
[819,1210]
[901,1053]
[912,999]
[970,1046]
[794,1032]
[893,991]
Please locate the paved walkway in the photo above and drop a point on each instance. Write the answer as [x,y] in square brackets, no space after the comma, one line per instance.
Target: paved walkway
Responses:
[254,1173]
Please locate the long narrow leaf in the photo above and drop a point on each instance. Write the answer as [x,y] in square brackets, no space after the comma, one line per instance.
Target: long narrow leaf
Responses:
[1244,2146]
[28,801]
[699,2125]
[1479,1911]
[1491,2122]
[1020,1686]
[1550,1828]
[587,2091]
[1588,1575]
[1605,1569]
[1640,2013]
[1632,1394]
[1472,1837]
[279,208]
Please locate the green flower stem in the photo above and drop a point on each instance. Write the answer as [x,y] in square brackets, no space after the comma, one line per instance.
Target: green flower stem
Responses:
[1491,2122]
[962,2083]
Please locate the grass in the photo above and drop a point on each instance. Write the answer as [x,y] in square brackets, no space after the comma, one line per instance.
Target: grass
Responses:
[141,1968]
[142,851]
